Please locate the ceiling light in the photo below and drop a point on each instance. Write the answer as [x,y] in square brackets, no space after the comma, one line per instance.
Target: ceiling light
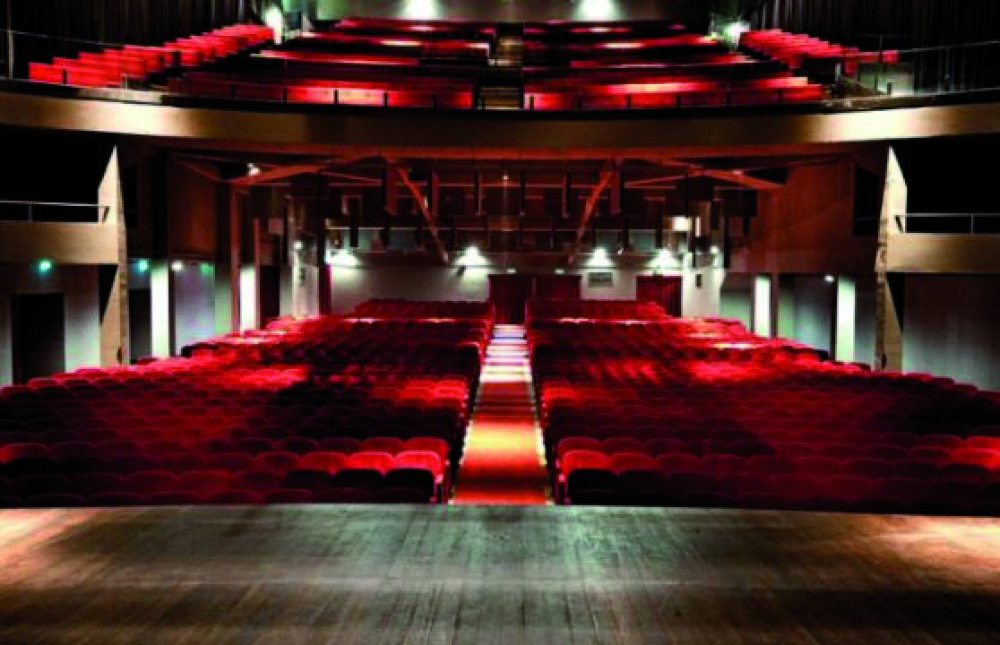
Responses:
[44,266]
[177,266]
[829,278]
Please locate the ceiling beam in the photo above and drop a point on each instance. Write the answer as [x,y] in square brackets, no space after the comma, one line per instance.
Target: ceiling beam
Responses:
[739,177]
[611,168]
[276,173]
[418,197]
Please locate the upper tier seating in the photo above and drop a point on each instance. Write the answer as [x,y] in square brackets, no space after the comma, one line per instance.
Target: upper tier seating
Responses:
[286,414]
[112,66]
[701,412]
[453,65]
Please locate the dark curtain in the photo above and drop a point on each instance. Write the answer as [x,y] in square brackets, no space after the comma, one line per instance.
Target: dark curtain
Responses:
[509,293]
[64,27]
[557,287]
[902,24]
[664,290]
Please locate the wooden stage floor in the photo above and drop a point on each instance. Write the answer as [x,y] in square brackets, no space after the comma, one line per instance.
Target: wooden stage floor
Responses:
[474,574]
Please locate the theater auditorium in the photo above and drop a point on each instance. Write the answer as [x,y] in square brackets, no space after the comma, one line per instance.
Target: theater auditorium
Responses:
[427,321]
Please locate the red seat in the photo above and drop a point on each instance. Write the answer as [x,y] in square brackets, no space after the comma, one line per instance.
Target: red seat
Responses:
[622,461]
[203,481]
[150,481]
[256,480]
[614,445]
[327,461]
[375,460]
[391,445]
[276,461]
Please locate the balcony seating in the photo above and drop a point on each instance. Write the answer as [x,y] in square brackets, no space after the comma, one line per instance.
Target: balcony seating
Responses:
[112,67]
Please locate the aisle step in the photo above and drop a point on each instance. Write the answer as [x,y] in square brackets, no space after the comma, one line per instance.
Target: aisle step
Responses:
[503,461]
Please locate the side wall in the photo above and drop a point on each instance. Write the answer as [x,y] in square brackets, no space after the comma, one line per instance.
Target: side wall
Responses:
[950,328]
[78,284]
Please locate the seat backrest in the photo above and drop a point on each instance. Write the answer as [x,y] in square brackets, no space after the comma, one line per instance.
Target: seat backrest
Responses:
[22,451]
[434,444]
[575,459]
[229,461]
[150,481]
[623,461]
[377,460]
[613,445]
[424,459]
[345,445]
[256,480]
[276,461]
[391,445]
[328,461]
[577,443]
[203,481]
[674,462]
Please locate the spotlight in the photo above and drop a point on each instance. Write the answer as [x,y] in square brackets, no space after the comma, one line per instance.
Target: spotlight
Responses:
[829,278]
[599,258]
[44,266]
[560,271]
[511,270]
[177,266]
[252,170]
[297,245]
[343,258]
[714,250]
[471,257]
[142,266]
[275,19]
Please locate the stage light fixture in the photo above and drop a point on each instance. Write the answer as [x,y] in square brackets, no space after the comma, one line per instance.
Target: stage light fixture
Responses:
[142,266]
[177,266]
[829,278]
[44,266]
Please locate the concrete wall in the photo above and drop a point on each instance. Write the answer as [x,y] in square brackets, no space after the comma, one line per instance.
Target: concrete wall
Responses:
[950,328]
[864,321]
[735,298]
[194,303]
[813,302]
[78,284]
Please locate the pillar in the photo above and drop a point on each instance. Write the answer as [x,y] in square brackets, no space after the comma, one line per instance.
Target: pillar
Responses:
[760,311]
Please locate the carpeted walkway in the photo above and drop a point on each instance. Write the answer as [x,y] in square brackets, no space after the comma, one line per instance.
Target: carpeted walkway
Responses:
[503,461]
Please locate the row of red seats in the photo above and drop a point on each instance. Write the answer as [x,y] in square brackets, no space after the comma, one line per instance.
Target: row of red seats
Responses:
[151,473]
[332,394]
[617,397]
[796,49]
[112,66]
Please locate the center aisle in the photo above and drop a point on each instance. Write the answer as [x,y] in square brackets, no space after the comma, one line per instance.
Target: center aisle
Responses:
[503,462]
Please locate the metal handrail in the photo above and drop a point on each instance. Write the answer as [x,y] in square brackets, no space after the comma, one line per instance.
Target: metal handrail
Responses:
[102,209]
[972,217]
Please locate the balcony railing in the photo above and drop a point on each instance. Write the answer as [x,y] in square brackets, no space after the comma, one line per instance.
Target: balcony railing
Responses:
[65,212]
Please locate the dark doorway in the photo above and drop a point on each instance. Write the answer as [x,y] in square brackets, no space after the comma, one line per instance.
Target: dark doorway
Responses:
[509,293]
[557,287]
[140,323]
[39,335]
[270,293]
[664,290]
